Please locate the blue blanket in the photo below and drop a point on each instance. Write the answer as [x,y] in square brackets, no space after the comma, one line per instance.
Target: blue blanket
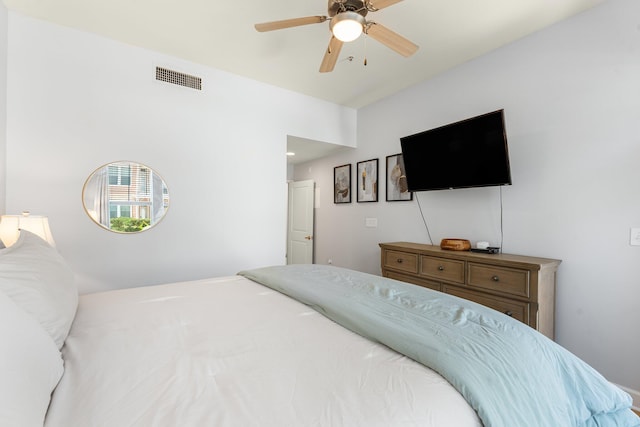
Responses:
[509,373]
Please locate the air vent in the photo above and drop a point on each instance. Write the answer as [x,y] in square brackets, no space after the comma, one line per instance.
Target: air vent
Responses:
[176,78]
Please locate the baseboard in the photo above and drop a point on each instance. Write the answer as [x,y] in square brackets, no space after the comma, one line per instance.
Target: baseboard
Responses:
[635,395]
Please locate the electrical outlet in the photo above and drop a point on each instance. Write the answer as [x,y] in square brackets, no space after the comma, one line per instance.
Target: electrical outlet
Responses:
[634,239]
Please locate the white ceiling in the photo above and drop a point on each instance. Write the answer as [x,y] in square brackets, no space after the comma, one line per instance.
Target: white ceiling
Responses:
[220,34]
[305,150]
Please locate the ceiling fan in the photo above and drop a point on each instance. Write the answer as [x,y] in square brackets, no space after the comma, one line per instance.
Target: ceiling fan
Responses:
[347,22]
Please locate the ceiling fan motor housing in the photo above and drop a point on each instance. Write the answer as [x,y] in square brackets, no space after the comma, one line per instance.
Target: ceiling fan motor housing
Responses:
[338,6]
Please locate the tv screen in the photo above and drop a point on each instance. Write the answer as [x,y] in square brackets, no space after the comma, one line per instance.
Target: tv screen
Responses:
[468,153]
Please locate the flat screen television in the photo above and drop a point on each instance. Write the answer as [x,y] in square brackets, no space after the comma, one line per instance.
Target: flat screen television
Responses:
[468,153]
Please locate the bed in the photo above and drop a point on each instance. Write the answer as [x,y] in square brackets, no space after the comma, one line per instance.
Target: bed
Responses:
[277,346]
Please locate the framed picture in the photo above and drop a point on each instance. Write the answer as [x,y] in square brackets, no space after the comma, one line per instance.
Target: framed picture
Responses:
[367,181]
[396,180]
[342,184]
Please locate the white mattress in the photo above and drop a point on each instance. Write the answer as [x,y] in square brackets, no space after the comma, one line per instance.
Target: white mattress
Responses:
[230,352]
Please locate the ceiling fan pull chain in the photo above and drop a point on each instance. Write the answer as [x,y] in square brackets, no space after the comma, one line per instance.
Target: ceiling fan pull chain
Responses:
[365,49]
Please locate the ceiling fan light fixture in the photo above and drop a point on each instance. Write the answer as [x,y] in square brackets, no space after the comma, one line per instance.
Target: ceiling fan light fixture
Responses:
[347,26]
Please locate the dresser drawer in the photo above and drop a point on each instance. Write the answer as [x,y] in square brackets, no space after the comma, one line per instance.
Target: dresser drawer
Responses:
[500,279]
[442,269]
[516,309]
[401,261]
[425,283]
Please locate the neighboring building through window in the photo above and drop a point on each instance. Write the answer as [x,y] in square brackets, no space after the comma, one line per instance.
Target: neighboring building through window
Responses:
[130,192]
[120,174]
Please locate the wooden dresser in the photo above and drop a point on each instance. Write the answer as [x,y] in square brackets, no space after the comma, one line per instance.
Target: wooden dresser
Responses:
[520,286]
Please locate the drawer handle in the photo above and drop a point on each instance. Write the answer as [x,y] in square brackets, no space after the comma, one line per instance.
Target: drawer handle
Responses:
[399,260]
[509,313]
[440,268]
[495,278]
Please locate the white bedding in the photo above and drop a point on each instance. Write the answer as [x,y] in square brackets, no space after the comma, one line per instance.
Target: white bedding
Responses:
[230,352]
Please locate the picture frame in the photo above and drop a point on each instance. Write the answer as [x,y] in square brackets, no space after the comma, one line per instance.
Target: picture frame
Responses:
[342,184]
[396,184]
[367,181]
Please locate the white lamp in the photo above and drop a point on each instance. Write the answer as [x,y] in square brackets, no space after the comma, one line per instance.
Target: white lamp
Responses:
[10,226]
[347,26]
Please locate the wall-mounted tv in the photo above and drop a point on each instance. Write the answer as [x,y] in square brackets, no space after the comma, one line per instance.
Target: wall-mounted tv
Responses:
[468,153]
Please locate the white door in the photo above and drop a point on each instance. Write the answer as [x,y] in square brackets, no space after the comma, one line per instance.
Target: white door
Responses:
[300,223]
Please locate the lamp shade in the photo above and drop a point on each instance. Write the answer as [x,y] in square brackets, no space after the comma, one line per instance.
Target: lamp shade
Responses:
[10,226]
[347,26]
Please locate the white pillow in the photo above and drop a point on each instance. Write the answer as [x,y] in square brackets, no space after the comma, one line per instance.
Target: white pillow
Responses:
[30,367]
[35,276]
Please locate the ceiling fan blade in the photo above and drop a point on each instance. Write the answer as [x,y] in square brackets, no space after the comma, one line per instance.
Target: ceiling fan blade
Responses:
[381,4]
[331,55]
[391,39]
[288,23]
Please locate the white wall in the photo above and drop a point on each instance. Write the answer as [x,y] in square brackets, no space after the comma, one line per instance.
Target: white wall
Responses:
[77,101]
[571,95]
[3,102]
